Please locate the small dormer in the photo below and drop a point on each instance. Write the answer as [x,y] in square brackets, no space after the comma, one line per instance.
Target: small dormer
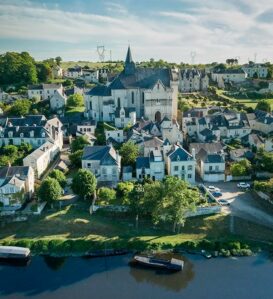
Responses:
[31,133]
[43,134]
[10,134]
[21,135]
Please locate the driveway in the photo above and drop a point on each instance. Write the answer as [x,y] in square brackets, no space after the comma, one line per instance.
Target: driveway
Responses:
[243,204]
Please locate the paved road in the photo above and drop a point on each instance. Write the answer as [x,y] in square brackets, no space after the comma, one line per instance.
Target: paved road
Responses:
[243,205]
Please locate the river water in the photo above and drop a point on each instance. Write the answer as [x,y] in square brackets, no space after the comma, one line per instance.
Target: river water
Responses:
[242,278]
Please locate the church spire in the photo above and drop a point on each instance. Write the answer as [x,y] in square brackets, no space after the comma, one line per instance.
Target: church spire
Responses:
[130,67]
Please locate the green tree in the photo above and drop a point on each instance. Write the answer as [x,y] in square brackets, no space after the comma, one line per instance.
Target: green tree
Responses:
[123,191]
[79,143]
[263,105]
[50,190]
[107,195]
[58,60]
[129,152]
[44,71]
[241,168]
[75,100]
[176,199]
[84,183]
[20,108]
[76,158]
[26,148]
[264,160]
[59,176]
[5,160]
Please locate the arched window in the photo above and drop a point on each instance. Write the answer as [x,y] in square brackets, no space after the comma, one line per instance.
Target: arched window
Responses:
[143,97]
[118,102]
[133,97]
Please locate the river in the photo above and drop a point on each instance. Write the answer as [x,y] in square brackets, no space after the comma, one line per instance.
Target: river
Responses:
[100,278]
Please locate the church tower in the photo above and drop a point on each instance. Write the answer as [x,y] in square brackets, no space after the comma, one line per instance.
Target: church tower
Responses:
[129,68]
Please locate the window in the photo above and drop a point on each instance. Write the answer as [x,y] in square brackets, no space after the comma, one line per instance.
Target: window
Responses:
[143,97]
[217,167]
[133,97]
[118,102]
[189,176]
[183,167]
[158,86]
[210,168]
[89,165]
[176,168]
[190,167]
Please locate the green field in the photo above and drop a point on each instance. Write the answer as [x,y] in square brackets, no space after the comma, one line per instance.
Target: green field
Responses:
[75,222]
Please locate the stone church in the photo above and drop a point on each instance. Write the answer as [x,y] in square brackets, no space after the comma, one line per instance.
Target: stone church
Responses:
[136,92]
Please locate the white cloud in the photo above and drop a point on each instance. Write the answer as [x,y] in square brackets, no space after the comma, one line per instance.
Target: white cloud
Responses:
[214,30]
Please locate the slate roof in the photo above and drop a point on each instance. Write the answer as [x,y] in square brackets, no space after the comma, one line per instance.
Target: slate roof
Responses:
[190,73]
[29,120]
[214,158]
[100,90]
[45,86]
[242,153]
[105,154]
[142,162]
[229,71]
[180,154]
[215,147]
[10,171]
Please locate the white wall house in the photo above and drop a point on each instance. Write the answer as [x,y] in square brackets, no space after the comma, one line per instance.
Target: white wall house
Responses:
[73,72]
[212,168]
[228,75]
[104,162]
[152,166]
[44,91]
[57,72]
[170,130]
[58,101]
[116,135]
[90,76]
[193,80]
[181,164]
[253,69]
[14,180]
[41,158]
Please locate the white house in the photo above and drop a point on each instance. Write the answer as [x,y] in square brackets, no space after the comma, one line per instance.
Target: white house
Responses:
[73,72]
[152,166]
[228,76]
[104,162]
[193,80]
[44,91]
[57,72]
[181,164]
[16,180]
[41,158]
[32,129]
[116,135]
[170,130]
[255,69]
[212,168]
[90,76]
[58,102]
[150,92]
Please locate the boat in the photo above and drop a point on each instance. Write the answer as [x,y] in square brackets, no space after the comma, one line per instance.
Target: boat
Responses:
[206,254]
[13,253]
[154,262]
[106,252]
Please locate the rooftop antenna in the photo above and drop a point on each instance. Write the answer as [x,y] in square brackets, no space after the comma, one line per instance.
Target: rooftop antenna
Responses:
[193,55]
[101,52]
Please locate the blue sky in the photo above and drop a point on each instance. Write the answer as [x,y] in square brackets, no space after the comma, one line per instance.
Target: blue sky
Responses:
[167,29]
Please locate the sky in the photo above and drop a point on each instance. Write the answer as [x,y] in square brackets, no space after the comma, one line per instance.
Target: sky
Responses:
[199,31]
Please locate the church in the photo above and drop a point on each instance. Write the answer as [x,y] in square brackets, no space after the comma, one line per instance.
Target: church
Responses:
[149,93]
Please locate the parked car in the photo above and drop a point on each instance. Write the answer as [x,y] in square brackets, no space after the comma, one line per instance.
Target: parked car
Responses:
[243,185]
[217,194]
[223,202]
[213,189]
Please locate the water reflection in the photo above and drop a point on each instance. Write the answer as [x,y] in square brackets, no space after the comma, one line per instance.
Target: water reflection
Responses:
[54,263]
[170,281]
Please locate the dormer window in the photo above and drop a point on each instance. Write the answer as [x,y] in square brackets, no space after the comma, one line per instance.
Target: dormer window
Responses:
[31,133]
[43,134]
[21,135]
[158,86]
[10,134]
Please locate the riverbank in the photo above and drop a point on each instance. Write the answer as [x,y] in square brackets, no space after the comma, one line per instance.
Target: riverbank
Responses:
[72,231]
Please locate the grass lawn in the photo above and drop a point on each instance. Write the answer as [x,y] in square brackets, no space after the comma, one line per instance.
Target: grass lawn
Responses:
[75,110]
[75,222]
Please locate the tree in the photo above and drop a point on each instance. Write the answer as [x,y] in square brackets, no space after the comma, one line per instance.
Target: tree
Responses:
[264,160]
[175,199]
[44,71]
[84,183]
[264,106]
[123,191]
[50,190]
[59,176]
[58,60]
[20,108]
[67,83]
[106,194]
[79,143]
[75,100]
[129,153]
[76,158]
[17,68]
[136,203]
[241,168]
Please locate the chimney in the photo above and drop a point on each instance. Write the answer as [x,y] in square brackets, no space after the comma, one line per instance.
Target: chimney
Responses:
[193,153]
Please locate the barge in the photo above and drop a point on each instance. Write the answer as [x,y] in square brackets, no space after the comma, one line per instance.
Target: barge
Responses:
[14,254]
[157,263]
